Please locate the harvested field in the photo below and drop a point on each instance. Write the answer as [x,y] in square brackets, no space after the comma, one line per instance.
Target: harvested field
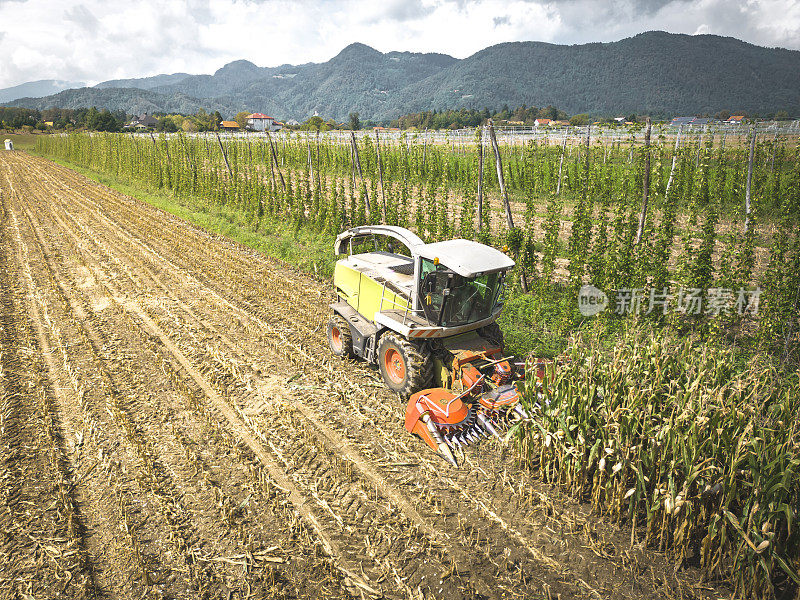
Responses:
[173,425]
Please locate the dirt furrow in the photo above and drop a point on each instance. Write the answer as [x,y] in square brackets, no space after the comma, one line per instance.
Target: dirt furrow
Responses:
[104,407]
[44,546]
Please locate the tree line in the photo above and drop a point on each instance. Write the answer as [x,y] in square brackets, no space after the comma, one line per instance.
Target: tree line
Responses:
[62,118]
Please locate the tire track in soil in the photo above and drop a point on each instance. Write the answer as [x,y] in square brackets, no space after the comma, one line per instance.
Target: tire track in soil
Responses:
[250,555]
[509,507]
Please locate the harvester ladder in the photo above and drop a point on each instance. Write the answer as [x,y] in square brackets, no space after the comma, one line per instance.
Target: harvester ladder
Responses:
[395,304]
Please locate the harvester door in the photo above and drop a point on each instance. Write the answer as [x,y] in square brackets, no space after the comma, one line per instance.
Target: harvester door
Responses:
[433,293]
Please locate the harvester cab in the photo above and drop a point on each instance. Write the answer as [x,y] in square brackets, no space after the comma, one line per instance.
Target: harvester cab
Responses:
[426,315]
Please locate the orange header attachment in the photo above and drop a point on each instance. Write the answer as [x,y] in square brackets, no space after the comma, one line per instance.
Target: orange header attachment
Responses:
[439,406]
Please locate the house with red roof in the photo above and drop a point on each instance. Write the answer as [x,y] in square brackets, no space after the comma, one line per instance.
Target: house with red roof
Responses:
[261,122]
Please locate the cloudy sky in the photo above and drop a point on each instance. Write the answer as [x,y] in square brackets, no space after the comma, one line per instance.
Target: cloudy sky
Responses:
[97,40]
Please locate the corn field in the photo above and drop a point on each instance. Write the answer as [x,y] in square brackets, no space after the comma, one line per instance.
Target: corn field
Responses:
[700,455]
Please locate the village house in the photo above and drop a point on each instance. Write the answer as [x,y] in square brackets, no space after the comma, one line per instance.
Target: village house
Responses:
[144,121]
[541,122]
[261,122]
[680,121]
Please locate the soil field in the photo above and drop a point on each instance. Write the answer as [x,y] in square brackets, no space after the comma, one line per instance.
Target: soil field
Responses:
[172,425]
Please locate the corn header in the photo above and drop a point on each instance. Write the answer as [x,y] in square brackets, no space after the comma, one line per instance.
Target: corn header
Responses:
[426,315]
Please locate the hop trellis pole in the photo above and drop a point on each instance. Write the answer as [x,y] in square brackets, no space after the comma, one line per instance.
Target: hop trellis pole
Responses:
[512,231]
[645,184]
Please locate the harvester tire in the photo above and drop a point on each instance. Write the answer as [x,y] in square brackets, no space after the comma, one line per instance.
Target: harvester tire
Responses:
[340,339]
[493,333]
[406,367]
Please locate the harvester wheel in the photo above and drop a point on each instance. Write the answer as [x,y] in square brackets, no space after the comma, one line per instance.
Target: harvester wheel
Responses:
[406,367]
[339,337]
[493,333]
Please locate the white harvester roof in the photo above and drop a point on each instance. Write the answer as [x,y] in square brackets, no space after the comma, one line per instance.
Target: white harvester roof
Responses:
[465,257]
[410,239]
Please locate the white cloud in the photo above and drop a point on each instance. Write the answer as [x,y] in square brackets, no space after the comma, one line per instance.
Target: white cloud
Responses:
[83,18]
[96,40]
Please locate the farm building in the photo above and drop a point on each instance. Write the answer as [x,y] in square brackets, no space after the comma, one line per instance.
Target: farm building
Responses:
[229,126]
[144,121]
[261,122]
[736,119]
[541,122]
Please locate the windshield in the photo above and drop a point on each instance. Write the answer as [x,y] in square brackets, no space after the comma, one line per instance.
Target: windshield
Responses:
[452,300]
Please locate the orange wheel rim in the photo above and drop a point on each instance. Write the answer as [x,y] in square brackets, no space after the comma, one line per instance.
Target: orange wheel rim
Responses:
[394,365]
[336,338]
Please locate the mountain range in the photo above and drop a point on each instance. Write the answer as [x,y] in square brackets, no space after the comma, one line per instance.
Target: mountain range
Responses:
[43,87]
[656,73]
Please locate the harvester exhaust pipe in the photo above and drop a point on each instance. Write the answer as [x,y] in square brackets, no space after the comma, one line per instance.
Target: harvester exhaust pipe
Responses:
[444,449]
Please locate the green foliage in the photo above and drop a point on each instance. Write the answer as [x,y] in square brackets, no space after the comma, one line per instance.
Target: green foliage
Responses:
[432,187]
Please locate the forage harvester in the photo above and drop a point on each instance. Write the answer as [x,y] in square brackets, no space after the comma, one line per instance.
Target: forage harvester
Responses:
[426,314]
